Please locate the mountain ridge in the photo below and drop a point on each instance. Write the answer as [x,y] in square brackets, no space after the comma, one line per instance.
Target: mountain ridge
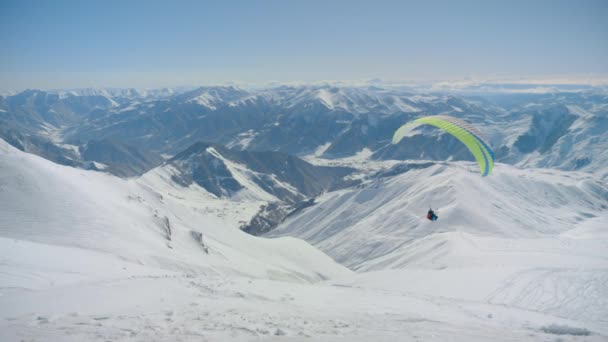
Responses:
[554,130]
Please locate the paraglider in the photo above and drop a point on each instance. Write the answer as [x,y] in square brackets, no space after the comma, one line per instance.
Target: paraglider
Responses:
[431,215]
[466,133]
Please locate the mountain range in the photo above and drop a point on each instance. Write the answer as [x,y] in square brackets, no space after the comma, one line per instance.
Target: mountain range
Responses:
[516,255]
[564,130]
[224,213]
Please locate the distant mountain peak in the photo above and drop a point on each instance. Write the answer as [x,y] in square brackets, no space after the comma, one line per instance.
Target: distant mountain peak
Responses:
[266,175]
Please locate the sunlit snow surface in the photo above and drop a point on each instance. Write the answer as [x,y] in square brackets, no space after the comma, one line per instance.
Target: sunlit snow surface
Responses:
[85,256]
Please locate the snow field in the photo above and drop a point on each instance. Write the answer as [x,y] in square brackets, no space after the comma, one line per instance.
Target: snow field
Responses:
[88,256]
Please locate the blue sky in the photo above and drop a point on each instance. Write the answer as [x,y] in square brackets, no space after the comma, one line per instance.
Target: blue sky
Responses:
[60,44]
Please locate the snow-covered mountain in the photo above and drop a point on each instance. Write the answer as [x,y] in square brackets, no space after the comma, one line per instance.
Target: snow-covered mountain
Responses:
[89,256]
[40,111]
[279,183]
[565,130]
[143,221]
[295,120]
[117,158]
[374,225]
[213,97]
[528,238]
[270,176]
[33,121]
[123,93]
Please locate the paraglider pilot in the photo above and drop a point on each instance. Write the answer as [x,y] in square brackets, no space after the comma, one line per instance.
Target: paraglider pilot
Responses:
[431,215]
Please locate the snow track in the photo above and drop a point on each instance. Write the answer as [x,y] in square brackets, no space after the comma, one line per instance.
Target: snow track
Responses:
[569,293]
[214,307]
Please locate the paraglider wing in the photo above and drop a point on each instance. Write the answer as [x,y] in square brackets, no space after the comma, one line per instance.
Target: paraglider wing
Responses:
[462,131]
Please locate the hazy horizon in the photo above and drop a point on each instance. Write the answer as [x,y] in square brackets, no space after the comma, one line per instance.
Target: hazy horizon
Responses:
[463,86]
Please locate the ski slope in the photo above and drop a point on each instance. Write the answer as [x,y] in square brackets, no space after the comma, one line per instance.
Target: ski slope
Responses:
[85,256]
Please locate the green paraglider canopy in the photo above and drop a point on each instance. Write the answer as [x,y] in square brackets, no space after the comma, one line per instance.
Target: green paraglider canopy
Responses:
[462,131]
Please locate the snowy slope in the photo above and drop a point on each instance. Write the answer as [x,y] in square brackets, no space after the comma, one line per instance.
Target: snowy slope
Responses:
[388,213]
[86,257]
[582,147]
[250,175]
[531,239]
[52,204]
[43,300]
[213,97]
